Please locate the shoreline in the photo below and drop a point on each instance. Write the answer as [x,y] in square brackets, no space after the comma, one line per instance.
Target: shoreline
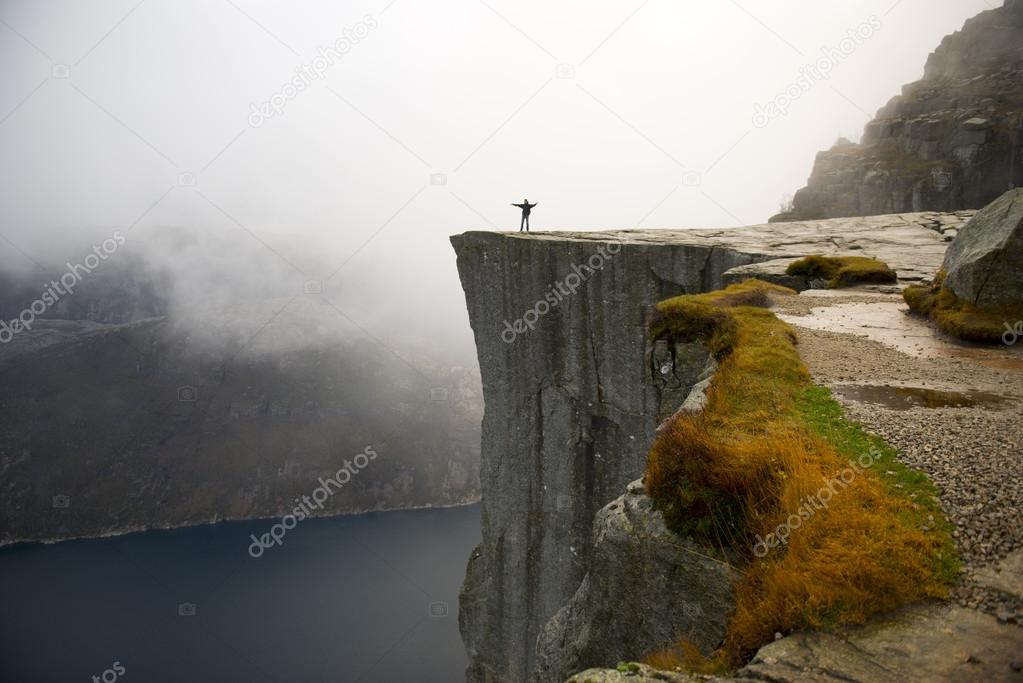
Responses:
[6,544]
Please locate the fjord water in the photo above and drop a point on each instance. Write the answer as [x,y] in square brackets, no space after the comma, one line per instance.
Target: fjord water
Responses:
[361,598]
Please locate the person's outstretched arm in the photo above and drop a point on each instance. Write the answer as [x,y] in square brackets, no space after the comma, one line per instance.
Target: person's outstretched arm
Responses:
[533,205]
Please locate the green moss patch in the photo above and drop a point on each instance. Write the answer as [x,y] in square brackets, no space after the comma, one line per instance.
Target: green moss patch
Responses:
[959,318]
[843,271]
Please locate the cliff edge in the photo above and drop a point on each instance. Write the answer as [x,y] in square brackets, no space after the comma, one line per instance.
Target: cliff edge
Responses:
[573,390]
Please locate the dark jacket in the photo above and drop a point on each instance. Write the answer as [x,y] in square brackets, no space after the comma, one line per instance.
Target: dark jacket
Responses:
[525,208]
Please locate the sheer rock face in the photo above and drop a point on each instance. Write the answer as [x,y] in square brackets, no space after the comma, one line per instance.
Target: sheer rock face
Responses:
[573,391]
[984,265]
[570,409]
[953,140]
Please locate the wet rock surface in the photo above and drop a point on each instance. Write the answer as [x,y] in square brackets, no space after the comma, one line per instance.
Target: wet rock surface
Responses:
[971,450]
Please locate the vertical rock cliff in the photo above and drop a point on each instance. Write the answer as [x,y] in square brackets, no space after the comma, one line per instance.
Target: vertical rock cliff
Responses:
[570,411]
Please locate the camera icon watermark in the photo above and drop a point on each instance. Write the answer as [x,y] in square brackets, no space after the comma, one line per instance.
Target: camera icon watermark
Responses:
[186,609]
[60,71]
[438,179]
[438,394]
[941,179]
[61,502]
[692,178]
[313,287]
[692,611]
[188,394]
[186,179]
[565,71]
[438,610]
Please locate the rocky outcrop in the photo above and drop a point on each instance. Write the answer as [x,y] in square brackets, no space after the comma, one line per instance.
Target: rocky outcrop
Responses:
[919,644]
[574,392]
[570,408]
[953,140]
[646,587]
[984,265]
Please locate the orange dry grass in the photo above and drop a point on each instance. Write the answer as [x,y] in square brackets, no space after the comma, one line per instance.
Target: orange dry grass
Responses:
[749,462]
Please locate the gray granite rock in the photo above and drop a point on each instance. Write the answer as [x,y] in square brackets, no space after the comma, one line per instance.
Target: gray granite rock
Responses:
[571,406]
[984,265]
[920,644]
[632,672]
[769,271]
[646,587]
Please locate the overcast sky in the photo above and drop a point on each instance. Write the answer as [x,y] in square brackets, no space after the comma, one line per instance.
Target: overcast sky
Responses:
[620,114]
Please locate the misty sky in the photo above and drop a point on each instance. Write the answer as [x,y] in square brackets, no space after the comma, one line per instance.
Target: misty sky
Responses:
[609,114]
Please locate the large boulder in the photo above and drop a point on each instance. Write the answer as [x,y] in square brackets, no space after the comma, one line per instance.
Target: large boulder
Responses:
[984,264]
[646,588]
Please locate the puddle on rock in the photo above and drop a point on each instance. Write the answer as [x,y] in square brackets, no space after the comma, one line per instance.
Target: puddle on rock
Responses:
[904,398]
[890,323]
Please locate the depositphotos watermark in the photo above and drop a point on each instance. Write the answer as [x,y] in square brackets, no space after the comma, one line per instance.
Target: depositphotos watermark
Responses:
[306,74]
[1012,334]
[809,505]
[65,286]
[558,291]
[110,675]
[812,74]
[305,505]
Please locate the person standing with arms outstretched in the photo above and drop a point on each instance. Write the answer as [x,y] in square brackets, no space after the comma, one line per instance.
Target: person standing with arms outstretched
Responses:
[526,207]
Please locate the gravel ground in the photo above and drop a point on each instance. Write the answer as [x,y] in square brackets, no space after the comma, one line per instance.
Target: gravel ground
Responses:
[974,455]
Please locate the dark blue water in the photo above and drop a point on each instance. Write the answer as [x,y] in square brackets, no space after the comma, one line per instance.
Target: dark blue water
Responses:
[366,598]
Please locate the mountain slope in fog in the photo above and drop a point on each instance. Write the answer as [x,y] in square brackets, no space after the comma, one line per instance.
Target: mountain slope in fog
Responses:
[234,400]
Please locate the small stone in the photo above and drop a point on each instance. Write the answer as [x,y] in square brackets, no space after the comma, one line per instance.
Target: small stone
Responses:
[778,636]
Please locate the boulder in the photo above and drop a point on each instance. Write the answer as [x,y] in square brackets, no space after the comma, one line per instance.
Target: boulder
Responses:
[984,264]
[646,587]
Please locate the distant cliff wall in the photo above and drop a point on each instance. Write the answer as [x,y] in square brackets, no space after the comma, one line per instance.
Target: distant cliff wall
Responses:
[952,140]
[106,429]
